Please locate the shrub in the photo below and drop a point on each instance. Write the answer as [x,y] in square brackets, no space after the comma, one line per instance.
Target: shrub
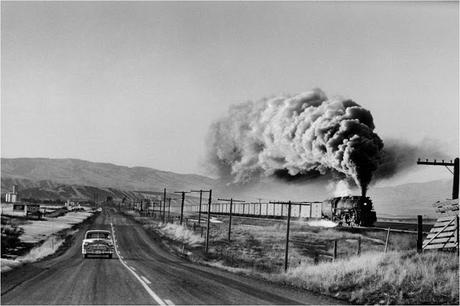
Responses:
[10,238]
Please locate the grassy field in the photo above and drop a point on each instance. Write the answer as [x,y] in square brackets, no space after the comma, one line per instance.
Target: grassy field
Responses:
[397,277]
[400,276]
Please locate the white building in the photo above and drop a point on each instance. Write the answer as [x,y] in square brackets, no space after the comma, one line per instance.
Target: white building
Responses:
[11,197]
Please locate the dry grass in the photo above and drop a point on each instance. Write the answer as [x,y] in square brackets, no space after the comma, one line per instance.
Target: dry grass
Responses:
[260,244]
[392,278]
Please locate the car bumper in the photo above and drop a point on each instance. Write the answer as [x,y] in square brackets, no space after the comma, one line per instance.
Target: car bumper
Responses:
[97,252]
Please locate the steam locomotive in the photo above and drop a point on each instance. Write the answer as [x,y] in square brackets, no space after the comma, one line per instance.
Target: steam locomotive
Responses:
[349,210]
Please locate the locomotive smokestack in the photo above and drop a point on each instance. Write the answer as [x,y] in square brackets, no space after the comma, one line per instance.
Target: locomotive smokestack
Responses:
[363,192]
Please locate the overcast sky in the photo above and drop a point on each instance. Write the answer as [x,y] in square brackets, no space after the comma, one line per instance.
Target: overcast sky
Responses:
[138,84]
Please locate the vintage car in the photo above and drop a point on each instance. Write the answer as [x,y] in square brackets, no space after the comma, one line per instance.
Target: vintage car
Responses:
[97,242]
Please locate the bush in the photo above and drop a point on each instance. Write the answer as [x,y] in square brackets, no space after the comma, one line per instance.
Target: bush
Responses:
[10,238]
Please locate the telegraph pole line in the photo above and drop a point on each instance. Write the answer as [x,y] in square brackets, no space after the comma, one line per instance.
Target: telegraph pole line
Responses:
[230,213]
[182,205]
[454,164]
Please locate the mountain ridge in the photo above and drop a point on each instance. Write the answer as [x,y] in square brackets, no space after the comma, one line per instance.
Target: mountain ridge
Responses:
[80,172]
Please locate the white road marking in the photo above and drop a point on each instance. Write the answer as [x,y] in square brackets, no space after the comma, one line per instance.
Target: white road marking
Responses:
[132,268]
[146,280]
[169,302]
[143,283]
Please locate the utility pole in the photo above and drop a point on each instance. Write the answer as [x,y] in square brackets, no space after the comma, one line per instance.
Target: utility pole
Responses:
[164,205]
[182,205]
[169,208]
[208,222]
[201,198]
[230,217]
[286,251]
[454,164]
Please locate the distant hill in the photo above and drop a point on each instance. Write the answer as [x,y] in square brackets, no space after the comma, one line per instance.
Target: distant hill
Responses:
[51,190]
[28,171]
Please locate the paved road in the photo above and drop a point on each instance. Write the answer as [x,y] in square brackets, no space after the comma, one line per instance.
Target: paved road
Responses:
[143,273]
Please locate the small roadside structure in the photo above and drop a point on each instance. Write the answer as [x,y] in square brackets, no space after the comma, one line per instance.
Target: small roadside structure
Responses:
[33,210]
[27,210]
[19,207]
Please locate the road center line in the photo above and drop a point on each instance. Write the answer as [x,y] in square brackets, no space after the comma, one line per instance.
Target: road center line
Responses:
[143,283]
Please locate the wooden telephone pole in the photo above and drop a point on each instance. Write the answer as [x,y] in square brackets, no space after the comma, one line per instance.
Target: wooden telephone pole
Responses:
[286,250]
[208,222]
[182,205]
[164,205]
[454,164]
[201,199]
[230,213]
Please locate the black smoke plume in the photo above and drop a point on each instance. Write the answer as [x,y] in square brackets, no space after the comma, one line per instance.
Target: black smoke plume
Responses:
[399,156]
[296,137]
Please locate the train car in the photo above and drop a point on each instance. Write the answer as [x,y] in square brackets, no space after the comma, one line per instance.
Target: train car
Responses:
[349,210]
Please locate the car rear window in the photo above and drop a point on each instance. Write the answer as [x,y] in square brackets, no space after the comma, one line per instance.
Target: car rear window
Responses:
[97,235]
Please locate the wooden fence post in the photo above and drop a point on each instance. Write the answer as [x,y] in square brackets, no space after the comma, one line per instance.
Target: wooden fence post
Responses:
[387,239]
[334,255]
[419,233]
[359,246]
